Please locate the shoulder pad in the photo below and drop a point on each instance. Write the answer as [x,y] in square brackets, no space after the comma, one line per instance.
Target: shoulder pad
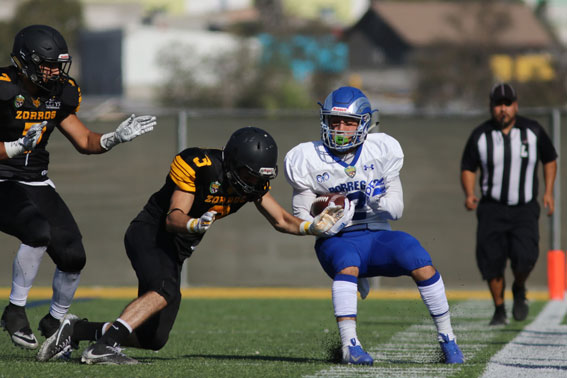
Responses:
[8,83]
[184,166]
[71,95]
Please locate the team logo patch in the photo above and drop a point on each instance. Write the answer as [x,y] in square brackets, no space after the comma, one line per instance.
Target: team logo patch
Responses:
[52,104]
[19,101]
[214,187]
[323,177]
[36,102]
[350,171]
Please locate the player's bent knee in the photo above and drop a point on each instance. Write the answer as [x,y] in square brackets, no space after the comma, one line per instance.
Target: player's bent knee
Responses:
[157,342]
[169,290]
[70,258]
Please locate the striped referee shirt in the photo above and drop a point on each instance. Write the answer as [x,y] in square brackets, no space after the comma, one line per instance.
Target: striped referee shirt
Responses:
[508,163]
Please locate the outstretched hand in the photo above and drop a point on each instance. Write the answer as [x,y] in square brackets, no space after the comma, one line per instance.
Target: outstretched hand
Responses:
[134,127]
[128,130]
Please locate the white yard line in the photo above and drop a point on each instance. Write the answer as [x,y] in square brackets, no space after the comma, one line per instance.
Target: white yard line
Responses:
[539,351]
[418,345]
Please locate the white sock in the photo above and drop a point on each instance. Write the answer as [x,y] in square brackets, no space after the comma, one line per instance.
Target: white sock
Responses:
[24,270]
[105,327]
[347,330]
[345,305]
[64,287]
[432,293]
[125,324]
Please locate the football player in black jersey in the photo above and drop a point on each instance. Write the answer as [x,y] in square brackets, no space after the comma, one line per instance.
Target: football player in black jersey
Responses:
[203,186]
[36,96]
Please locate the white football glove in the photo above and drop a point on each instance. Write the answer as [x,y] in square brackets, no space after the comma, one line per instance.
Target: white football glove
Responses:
[340,223]
[331,220]
[129,129]
[202,224]
[374,191]
[25,143]
[322,222]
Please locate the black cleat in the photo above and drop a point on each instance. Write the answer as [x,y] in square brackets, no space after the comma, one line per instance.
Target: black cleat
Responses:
[48,325]
[520,308]
[15,321]
[499,317]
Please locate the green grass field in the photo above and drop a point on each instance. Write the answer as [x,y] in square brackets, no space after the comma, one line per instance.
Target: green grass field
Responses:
[282,338]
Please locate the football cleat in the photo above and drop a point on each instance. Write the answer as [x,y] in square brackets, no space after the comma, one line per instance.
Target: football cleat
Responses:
[103,354]
[355,355]
[499,318]
[48,325]
[363,287]
[520,309]
[58,345]
[15,321]
[451,350]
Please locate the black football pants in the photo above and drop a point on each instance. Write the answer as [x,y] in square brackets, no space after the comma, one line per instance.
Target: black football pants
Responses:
[37,216]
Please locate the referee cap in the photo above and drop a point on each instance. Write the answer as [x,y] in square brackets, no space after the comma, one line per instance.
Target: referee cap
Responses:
[502,92]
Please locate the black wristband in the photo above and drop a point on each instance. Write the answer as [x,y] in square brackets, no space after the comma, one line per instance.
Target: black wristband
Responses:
[174,209]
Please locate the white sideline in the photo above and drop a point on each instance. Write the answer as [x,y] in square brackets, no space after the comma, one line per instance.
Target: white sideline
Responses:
[539,351]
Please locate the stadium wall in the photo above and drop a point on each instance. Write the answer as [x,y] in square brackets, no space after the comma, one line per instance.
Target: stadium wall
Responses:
[105,192]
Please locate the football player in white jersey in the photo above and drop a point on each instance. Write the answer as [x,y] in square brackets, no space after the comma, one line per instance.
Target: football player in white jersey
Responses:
[366,168]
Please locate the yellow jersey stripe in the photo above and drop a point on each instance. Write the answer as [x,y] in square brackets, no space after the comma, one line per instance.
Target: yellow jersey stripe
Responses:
[182,174]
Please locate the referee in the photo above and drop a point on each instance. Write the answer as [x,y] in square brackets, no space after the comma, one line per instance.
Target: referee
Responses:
[507,149]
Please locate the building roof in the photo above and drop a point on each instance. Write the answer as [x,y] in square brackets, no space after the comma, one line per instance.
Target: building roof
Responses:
[427,22]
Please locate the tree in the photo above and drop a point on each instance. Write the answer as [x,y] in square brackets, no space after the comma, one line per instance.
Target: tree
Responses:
[64,15]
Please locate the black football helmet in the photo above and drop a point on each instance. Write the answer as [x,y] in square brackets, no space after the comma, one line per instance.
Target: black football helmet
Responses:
[41,45]
[250,161]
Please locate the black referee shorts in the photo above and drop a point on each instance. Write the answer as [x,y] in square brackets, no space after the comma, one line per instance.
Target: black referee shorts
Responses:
[154,258]
[506,232]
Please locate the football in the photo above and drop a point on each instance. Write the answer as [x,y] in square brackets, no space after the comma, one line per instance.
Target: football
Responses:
[322,201]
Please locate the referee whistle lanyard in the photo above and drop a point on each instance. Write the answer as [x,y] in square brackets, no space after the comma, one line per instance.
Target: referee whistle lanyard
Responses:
[350,169]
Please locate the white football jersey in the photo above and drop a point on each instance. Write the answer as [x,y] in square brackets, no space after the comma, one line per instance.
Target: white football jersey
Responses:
[312,170]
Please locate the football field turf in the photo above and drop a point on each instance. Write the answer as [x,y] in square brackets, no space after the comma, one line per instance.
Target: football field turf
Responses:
[284,337]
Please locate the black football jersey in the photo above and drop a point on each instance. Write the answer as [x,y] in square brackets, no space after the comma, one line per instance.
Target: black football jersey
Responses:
[198,171]
[19,111]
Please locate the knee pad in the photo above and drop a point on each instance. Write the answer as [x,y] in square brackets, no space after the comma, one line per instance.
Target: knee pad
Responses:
[69,255]
[169,289]
[157,342]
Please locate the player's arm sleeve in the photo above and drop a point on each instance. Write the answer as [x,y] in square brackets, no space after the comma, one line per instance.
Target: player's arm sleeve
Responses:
[392,204]
[301,201]
[302,196]
[182,174]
